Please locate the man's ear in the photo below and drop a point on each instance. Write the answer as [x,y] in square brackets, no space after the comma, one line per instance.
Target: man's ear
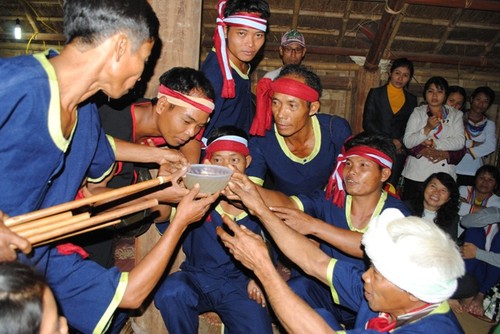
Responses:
[161,105]
[225,31]
[386,173]
[281,51]
[121,45]
[314,107]
[248,158]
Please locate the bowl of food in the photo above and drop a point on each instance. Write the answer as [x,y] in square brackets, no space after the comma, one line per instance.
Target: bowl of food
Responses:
[211,178]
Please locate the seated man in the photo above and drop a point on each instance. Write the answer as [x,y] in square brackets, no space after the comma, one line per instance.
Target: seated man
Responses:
[210,280]
[299,150]
[357,190]
[414,270]
[176,116]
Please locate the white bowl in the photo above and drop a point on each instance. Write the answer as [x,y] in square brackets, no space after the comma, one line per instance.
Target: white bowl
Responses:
[211,178]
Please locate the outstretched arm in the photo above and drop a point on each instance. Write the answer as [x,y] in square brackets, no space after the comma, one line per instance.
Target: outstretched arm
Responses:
[250,250]
[271,197]
[294,245]
[146,274]
[344,240]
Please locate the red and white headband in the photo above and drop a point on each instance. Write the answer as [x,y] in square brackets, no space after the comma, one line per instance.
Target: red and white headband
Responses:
[335,187]
[265,90]
[186,101]
[228,143]
[241,20]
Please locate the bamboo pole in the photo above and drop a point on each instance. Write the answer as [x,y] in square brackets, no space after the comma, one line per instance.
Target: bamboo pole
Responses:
[90,229]
[92,200]
[68,228]
[41,222]
[42,229]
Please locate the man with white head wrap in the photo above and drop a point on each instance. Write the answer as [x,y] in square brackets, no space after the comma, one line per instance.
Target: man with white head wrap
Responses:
[414,271]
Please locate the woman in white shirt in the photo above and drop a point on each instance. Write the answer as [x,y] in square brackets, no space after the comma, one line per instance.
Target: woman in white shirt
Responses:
[436,126]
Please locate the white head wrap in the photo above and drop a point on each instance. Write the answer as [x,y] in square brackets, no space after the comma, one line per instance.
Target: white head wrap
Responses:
[415,255]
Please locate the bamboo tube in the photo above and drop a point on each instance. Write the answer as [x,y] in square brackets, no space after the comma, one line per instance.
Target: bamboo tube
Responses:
[48,228]
[41,222]
[64,229]
[90,229]
[101,198]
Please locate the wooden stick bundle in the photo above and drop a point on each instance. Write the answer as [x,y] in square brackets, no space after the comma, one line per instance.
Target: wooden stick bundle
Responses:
[98,199]
[59,222]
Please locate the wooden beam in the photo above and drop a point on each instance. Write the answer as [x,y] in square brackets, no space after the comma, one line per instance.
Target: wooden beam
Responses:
[392,9]
[29,17]
[451,24]
[345,21]
[296,13]
[489,5]
[180,38]
[397,24]
[37,37]
[33,46]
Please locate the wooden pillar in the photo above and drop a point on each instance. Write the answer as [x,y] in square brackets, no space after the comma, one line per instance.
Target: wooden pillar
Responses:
[180,34]
[180,31]
[366,79]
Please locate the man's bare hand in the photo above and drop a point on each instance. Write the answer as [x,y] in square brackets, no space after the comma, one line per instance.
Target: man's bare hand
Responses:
[295,219]
[247,247]
[256,293]
[10,241]
[241,188]
[192,209]
[175,192]
[468,250]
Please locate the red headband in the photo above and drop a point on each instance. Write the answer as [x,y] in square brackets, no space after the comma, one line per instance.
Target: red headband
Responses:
[241,20]
[335,187]
[182,100]
[265,90]
[228,143]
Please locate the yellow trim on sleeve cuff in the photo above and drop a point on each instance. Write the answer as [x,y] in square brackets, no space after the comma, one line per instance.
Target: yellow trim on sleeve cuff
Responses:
[106,318]
[297,201]
[329,279]
[256,180]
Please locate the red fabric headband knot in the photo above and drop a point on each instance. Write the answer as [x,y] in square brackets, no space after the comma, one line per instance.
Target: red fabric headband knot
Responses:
[265,90]
[242,20]
[335,187]
[179,99]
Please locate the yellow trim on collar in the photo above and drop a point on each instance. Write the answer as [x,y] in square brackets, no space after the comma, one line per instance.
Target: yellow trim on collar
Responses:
[314,152]
[54,113]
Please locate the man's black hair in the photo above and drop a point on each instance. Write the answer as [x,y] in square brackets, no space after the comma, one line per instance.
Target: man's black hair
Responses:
[311,78]
[248,6]
[92,21]
[227,130]
[379,142]
[21,299]
[186,79]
